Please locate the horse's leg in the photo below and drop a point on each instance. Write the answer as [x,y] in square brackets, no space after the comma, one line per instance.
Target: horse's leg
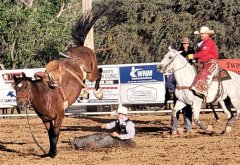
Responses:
[97,84]
[236,104]
[187,113]
[53,134]
[49,126]
[84,93]
[196,112]
[174,121]
[98,92]
[230,117]
[55,131]
[214,112]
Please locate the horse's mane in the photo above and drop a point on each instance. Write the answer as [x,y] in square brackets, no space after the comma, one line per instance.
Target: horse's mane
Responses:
[30,79]
[85,23]
[183,58]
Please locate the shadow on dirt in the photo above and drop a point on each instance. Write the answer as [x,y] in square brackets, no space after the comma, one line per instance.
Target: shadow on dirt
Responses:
[3,148]
[143,130]
[82,128]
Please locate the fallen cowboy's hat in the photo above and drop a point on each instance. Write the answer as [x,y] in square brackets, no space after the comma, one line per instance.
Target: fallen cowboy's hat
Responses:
[122,110]
[204,29]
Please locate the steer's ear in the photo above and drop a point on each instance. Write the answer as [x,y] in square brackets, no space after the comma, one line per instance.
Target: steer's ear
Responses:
[169,48]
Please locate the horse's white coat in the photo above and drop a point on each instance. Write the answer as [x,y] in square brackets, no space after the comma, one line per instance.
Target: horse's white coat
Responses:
[174,62]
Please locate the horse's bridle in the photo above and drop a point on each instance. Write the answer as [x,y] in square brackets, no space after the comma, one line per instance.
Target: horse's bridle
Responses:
[25,95]
[176,69]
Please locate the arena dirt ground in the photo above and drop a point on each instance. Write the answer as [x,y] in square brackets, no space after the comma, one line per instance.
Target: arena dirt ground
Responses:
[154,143]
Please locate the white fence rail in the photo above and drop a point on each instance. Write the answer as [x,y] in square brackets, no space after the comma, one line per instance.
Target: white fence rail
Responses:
[106,113]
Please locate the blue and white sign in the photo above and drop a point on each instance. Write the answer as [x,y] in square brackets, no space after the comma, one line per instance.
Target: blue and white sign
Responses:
[7,98]
[141,83]
[140,74]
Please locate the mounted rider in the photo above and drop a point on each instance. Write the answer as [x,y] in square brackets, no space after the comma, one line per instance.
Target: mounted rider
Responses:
[207,56]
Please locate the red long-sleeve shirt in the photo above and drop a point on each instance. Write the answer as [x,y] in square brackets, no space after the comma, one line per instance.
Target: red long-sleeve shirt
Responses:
[208,51]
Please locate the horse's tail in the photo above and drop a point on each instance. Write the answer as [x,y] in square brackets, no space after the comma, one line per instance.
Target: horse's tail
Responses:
[85,23]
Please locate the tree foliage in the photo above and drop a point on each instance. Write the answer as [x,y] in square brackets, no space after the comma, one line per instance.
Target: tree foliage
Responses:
[135,31]
[32,36]
[144,29]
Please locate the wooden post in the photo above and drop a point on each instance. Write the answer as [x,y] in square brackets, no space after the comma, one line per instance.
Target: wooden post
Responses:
[89,42]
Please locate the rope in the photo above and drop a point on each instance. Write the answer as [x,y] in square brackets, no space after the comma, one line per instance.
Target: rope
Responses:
[33,135]
[74,75]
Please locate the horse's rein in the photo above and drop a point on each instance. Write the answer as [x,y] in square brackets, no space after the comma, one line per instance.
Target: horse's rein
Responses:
[170,62]
[178,68]
[179,87]
[27,96]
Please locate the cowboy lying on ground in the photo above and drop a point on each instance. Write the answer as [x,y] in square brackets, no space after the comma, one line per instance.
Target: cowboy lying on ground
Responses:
[124,131]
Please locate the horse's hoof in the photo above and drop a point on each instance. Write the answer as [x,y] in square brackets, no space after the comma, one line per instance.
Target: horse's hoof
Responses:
[98,93]
[210,128]
[174,132]
[180,131]
[51,155]
[228,129]
[84,94]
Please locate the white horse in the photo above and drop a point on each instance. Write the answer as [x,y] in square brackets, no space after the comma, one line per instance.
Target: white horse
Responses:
[174,62]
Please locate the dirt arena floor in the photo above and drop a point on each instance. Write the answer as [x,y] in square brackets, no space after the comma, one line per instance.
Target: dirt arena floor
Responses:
[154,143]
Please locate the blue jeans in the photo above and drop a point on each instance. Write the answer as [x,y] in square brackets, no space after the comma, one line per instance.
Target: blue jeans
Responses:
[187,113]
[100,140]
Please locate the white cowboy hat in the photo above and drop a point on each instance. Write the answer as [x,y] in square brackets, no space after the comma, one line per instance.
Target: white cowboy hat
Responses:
[122,110]
[204,29]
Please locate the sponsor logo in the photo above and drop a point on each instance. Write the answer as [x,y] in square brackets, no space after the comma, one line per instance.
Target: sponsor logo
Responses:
[142,93]
[11,94]
[140,73]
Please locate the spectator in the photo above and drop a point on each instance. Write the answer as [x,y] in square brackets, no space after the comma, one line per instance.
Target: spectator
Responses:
[186,49]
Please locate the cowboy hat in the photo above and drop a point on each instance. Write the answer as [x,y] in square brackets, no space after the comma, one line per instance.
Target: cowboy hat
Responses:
[185,40]
[204,29]
[122,110]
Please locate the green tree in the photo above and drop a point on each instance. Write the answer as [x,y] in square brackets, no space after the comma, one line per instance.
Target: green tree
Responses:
[144,29]
[135,31]
[30,37]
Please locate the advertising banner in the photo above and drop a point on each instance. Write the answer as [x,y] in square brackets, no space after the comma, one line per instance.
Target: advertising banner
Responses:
[141,83]
[110,87]
[7,92]
[230,64]
[126,83]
